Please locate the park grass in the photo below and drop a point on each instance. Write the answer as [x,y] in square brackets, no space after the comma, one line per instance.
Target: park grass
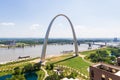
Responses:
[70,61]
[9,67]
[5,73]
[87,53]
[19,61]
[58,58]
[76,63]
[40,74]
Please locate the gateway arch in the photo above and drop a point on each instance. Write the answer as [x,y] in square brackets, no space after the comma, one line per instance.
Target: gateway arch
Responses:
[47,35]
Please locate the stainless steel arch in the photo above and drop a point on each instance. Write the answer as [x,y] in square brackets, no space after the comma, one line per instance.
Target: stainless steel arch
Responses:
[47,34]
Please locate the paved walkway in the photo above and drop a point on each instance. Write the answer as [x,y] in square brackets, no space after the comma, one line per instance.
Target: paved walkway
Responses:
[83,57]
[46,74]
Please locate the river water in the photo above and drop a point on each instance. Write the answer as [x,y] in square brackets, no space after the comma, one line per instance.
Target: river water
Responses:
[12,54]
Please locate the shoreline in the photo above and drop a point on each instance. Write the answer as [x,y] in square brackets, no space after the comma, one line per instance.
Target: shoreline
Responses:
[47,57]
[18,60]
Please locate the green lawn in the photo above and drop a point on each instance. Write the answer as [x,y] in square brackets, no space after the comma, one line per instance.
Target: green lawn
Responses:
[8,67]
[40,74]
[5,73]
[58,58]
[87,53]
[76,63]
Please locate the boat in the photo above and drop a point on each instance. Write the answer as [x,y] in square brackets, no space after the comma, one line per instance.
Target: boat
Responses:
[23,57]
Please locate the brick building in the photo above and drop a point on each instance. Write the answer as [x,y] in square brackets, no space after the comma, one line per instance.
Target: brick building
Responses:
[118,61]
[102,71]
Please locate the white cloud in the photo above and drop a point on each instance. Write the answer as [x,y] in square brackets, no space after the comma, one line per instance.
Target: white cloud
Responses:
[7,24]
[34,27]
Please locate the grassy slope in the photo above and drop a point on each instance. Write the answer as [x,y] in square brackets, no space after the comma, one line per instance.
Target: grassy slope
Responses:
[8,67]
[76,63]
[40,74]
[93,51]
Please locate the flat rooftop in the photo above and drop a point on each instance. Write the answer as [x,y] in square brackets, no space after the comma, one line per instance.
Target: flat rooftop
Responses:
[109,68]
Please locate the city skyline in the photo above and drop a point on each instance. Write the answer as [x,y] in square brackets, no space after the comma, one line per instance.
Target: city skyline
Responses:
[28,18]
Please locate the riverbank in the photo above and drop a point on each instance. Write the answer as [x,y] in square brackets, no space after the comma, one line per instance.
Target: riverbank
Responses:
[12,54]
[34,59]
[8,68]
[64,60]
[47,57]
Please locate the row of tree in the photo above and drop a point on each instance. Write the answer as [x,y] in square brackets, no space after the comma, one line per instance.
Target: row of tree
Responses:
[18,73]
[63,73]
[55,76]
[115,52]
[102,56]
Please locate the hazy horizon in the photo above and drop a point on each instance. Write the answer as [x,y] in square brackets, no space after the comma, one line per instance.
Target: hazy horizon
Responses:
[53,38]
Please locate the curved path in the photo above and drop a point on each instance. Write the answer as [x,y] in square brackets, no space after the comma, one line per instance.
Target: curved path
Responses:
[83,57]
[46,74]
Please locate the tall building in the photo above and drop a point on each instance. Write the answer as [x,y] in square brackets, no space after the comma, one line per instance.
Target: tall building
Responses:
[102,71]
[11,43]
[115,39]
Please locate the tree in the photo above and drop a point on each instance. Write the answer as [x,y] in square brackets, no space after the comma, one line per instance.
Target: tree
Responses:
[50,67]
[99,56]
[17,71]
[54,76]
[17,77]
[37,66]
[28,68]
[103,53]
[73,75]
[93,57]
[113,58]
[115,52]
[62,76]
[47,67]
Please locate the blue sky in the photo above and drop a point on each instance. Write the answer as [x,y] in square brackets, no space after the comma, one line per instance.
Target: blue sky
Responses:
[30,18]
